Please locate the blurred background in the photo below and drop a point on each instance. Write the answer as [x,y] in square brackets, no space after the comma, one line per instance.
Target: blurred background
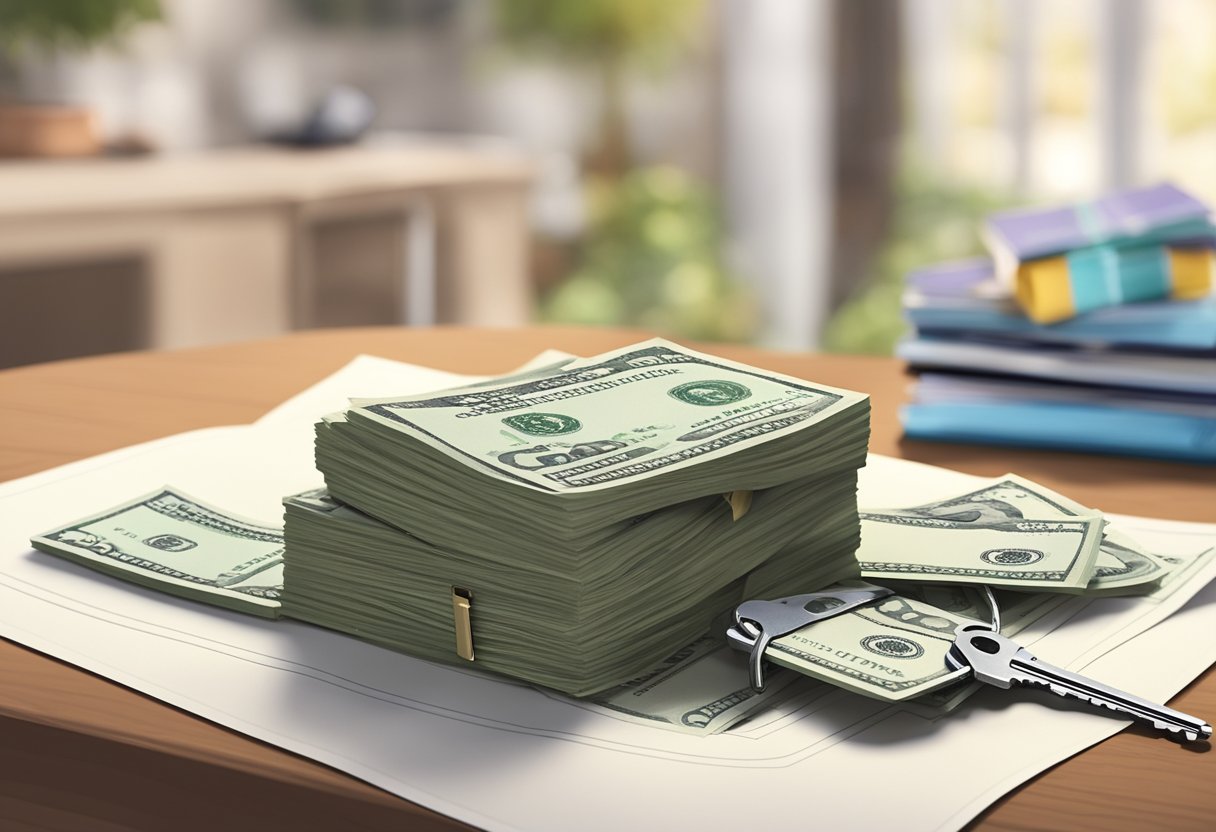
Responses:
[185,172]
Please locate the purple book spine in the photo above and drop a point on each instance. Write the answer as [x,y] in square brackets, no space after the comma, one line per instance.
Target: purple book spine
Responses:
[958,279]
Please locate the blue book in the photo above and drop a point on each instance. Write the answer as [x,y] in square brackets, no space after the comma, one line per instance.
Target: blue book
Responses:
[1146,433]
[976,408]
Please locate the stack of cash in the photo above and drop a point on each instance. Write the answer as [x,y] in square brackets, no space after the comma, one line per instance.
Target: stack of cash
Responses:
[179,545]
[586,521]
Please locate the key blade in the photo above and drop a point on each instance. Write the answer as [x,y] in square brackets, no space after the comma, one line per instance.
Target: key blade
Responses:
[1028,669]
[1002,662]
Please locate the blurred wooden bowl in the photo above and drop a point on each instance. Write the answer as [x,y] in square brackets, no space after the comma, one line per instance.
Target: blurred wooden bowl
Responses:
[47,130]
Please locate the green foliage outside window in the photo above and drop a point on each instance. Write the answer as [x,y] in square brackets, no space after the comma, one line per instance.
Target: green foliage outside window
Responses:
[650,255]
[70,24]
[651,258]
[640,31]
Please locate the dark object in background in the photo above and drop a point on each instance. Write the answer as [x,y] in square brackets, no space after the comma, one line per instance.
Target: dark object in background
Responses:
[342,116]
[51,312]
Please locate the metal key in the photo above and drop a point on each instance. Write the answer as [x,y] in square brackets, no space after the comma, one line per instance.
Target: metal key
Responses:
[995,660]
[759,622]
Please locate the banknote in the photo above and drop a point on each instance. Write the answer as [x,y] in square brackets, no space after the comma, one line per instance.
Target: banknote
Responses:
[179,545]
[701,689]
[1122,565]
[1016,610]
[622,416]
[1125,567]
[963,600]
[1038,555]
[893,648]
[1181,568]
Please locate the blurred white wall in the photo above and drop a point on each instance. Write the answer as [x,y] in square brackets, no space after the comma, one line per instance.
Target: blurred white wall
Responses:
[1063,99]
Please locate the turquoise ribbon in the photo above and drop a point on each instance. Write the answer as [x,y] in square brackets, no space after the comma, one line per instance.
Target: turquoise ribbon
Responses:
[1111,275]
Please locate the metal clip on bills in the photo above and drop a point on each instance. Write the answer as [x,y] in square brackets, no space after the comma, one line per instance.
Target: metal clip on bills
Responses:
[462,605]
[759,622]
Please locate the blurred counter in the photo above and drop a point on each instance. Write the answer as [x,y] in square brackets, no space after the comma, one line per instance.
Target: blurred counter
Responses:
[229,242]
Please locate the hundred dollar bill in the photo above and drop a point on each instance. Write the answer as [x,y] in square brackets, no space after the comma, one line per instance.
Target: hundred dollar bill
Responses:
[1038,555]
[619,417]
[701,689]
[1122,566]
[1018,610]
[894,649]
[1181,569]
[174,543]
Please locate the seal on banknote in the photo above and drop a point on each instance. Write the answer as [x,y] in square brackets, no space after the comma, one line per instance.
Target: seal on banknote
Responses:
[1012,557]
[543,424]
[710,393]
[894,647]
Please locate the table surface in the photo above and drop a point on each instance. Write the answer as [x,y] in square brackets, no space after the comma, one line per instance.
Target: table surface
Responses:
[77,750]
[247,175]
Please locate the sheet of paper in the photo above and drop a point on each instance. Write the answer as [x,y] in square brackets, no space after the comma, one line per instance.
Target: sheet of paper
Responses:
[504,756]
[372,377]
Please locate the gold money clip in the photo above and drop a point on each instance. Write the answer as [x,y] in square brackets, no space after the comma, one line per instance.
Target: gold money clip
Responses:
[462,607]
[740,502]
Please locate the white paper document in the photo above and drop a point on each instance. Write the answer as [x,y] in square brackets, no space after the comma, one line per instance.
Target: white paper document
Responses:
[505,756]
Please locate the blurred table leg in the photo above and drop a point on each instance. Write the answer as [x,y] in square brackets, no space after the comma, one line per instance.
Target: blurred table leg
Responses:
[483,256]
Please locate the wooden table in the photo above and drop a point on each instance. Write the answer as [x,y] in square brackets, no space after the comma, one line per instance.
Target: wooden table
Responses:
[77,751]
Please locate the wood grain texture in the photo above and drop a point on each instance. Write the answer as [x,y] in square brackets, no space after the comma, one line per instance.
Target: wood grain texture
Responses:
[69,720]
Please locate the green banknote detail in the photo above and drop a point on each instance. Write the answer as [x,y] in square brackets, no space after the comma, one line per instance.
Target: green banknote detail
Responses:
[893,648]
[170,541]
[599,422]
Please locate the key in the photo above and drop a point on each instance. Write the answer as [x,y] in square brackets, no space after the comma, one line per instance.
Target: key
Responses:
[996,660]
[759,622]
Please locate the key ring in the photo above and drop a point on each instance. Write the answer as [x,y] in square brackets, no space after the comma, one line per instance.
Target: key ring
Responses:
[993,608]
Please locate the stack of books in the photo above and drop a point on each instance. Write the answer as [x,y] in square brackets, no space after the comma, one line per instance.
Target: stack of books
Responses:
[1134,378]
